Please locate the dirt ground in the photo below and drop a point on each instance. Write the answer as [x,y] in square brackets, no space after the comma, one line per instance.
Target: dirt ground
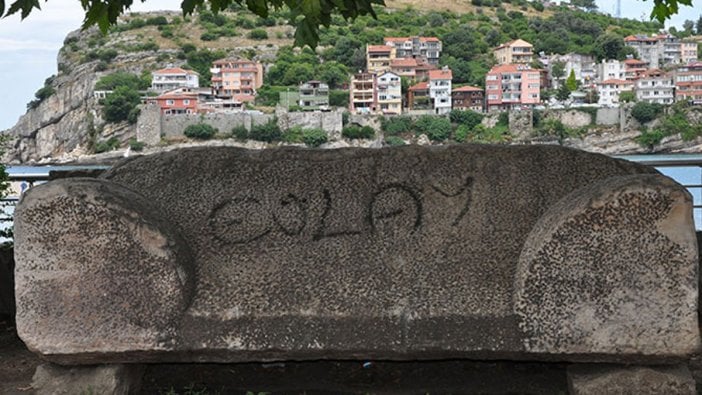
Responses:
[17,364]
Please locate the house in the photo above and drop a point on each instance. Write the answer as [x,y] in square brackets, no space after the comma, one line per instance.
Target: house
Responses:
[418,97]
[510,86]
[634,68]
[611,69]
[468,98]
[440,89]
[583,66]
[362,93]
[517,51]
[313,95]
[236,79]
[173,78]
[177,101]
[426,49]
[688,83]
[408,68]
[378,58]
[609,91]
[389,93]
[655,86]
[663,49]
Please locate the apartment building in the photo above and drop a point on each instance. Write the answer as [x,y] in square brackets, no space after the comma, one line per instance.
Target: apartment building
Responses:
[378,58]
[427,49]
[468,98]
[517,51]
[440,89]
[584,67]
[172,78]
[411,68]
[313,95]
[610,69]
[655,86]
[389,93]
[610,89]
[510,86]
[236,79]
[362,93]
[688,83]
[418,97]
[634,68]
[663,49]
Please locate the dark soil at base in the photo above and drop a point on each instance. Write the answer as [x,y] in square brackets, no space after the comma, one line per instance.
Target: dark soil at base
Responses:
[17,364]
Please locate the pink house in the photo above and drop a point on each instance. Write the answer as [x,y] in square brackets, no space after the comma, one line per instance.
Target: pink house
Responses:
[512,85]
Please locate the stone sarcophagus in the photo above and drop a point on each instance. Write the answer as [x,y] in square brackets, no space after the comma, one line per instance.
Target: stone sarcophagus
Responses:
[222,254]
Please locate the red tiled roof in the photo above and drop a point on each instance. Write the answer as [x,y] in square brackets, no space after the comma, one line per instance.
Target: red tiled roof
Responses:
[404,62]
[468,89]
[379,48]
[396,39]
[233,60]
[440,74]
[509,68]
[634,61]
[653,72]
[429,39]
[174,70]
[420,86]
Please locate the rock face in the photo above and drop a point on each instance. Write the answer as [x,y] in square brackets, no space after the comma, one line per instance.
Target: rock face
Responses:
[593,380]
[403,253]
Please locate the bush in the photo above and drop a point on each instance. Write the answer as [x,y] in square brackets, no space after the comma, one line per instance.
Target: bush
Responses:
[136,145]
[338,98]
[122,79]
[649,139]
[201,131]
[435,127]
[468,118]
[503,119]
[293,135]
[394,141]
[157,21]
[396,125]
[208,36]
[240,133]
[258,34]
[267,132]
[121,104]
[314,137]
[462,133]
[357,132]
[109,145]
[645,112]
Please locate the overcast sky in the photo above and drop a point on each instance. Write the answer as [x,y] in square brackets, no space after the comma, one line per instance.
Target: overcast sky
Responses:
[28,49]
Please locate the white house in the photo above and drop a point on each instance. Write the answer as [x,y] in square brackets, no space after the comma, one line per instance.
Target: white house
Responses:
[389,88]
[173,78]
[609,91]
[655,86]
[440,89]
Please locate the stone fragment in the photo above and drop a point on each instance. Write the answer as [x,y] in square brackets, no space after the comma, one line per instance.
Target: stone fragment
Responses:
[630,380]
[228,255]
[52,379]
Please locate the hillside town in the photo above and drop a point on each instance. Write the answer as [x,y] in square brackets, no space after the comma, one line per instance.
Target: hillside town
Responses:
[402,76]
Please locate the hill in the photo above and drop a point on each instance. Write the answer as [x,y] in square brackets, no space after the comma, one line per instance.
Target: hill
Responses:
[66,117]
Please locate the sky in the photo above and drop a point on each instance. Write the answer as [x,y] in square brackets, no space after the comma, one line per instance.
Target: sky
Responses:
[28,48]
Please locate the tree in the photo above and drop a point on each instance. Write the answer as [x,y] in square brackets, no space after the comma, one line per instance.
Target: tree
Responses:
[699,25]
[609,46]
[627,97]
[307,16]
[563,93]
[558,70]
[121,103]
[689,27]
[589,5]
[571,82]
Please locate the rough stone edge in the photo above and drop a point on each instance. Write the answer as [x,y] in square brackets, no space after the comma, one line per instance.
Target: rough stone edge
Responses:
[119,379]
[599,378]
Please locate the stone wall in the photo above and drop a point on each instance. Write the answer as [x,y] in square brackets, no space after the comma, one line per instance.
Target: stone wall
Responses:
[607,116]
[148,129]
[174,125]
[331,122]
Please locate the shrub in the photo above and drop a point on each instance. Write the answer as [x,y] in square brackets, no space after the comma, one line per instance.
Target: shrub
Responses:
[136,145]
[645,112]
[258,34]
[109,145]
[240,133]
[394,141]
[157,21]
[503,119]
[436,128]
[293,135]
[120,105]
[462,133]
[208,36]
[358,132]
[338,98]
[201,131]
[267,132]
[314,137]
[649,139]
[396,125]
[468,118]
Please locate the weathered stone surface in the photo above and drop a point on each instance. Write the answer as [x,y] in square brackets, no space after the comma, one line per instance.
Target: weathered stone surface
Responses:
[630,380]
[607,268]
[401,253]
[100,380]
[101,270]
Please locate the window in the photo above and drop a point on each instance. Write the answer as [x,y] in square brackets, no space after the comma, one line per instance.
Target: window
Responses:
[186,102]
[170,102]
